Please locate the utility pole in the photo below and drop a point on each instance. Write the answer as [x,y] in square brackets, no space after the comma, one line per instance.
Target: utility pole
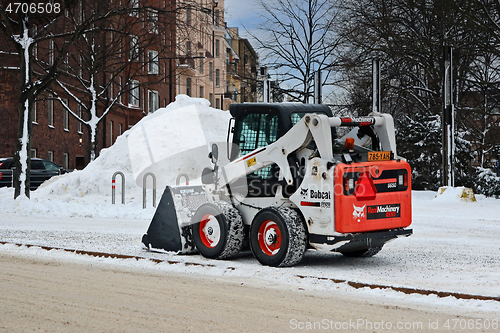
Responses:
[376,100]
[266,86]
[448,119]
[317,87]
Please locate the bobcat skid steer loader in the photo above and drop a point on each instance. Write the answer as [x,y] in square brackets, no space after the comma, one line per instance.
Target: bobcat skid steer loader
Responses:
[284,182]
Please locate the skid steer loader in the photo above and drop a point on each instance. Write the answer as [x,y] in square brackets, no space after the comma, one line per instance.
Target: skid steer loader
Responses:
[285,182]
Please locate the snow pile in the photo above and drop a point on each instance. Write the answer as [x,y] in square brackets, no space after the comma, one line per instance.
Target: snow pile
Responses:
[455,194]
[159,145]
[88,192]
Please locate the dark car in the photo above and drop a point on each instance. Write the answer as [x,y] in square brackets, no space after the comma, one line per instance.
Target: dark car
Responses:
[41,170]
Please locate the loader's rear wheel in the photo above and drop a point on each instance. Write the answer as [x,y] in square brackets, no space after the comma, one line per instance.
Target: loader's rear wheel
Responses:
[278,237]
[218,230]
[363,253]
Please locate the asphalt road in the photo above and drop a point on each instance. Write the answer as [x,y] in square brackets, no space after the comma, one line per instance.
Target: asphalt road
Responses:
[45,295]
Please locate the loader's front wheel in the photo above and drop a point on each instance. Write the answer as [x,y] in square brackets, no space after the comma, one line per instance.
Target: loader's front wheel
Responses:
[278,237]
[218,230]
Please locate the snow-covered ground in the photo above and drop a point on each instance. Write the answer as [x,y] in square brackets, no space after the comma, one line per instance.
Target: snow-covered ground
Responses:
[455,246]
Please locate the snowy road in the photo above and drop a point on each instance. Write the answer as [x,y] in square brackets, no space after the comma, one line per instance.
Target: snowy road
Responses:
[41,294]
[455,248]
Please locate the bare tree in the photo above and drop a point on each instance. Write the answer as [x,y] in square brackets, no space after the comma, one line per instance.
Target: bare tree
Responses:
[17,27]
[298,38]
[115,59]
[408,37]
[483,78]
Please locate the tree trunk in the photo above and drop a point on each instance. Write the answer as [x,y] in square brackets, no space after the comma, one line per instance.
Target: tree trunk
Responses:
[22,158]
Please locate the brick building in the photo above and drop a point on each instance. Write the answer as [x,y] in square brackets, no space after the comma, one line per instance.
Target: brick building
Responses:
[146,83]
[242,68]
[167,54]
[202,50]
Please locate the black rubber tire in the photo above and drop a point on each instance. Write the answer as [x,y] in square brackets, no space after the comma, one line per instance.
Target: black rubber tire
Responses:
[231,230]
[363,253]
[293,237]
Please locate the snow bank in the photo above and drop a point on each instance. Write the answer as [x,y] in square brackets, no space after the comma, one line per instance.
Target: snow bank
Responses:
[455,194]
[178,135]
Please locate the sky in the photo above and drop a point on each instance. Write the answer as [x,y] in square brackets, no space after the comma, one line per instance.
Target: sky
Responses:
[242,14]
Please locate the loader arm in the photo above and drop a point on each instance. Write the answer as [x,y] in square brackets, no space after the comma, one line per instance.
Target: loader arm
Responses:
[311,126]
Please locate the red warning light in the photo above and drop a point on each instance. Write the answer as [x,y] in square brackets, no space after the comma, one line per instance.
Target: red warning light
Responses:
[349,143]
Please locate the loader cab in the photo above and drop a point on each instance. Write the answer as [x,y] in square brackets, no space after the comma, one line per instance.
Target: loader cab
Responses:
[256,125]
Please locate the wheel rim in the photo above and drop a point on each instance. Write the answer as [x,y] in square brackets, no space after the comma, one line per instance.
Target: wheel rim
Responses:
[209,231]
[269,238]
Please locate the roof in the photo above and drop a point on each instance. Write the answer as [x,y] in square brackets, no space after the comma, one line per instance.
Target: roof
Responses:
[237,109]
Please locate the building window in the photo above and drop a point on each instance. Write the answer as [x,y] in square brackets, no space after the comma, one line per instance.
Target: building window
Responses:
[154,101]
[211,98]
[50,155]
[188,49]
[120,90]
[217,77]
[200,66]
[81,11]
[50,109]
[134,47]
[201,91]
[135,5]
[153,18]
[188,86]
[66,61]
[80,65]
[33,153]
[210,71]
[34,31]
[66,120]
[51,52]
[65,115]
[110,133]
[217,48]
[133,98]
[216,17]
[79,113]
[66,161]
[188,16]
[217,103]
[143,99]
[153,67]
[33,114]
[120,129]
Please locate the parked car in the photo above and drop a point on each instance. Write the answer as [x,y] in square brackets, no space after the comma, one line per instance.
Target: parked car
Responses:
[41,170]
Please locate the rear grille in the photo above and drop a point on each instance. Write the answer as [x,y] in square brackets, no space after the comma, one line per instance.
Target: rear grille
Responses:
[389,181]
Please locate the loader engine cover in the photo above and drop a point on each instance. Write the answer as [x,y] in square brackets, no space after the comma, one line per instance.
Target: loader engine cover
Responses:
[372,196]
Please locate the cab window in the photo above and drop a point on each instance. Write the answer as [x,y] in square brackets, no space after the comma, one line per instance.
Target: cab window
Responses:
[255,131]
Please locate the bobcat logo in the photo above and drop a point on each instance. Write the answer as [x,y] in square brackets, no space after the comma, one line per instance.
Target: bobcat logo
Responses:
[358,213]
[303,192]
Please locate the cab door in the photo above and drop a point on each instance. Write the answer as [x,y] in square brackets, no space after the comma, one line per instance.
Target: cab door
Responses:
[253,131]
